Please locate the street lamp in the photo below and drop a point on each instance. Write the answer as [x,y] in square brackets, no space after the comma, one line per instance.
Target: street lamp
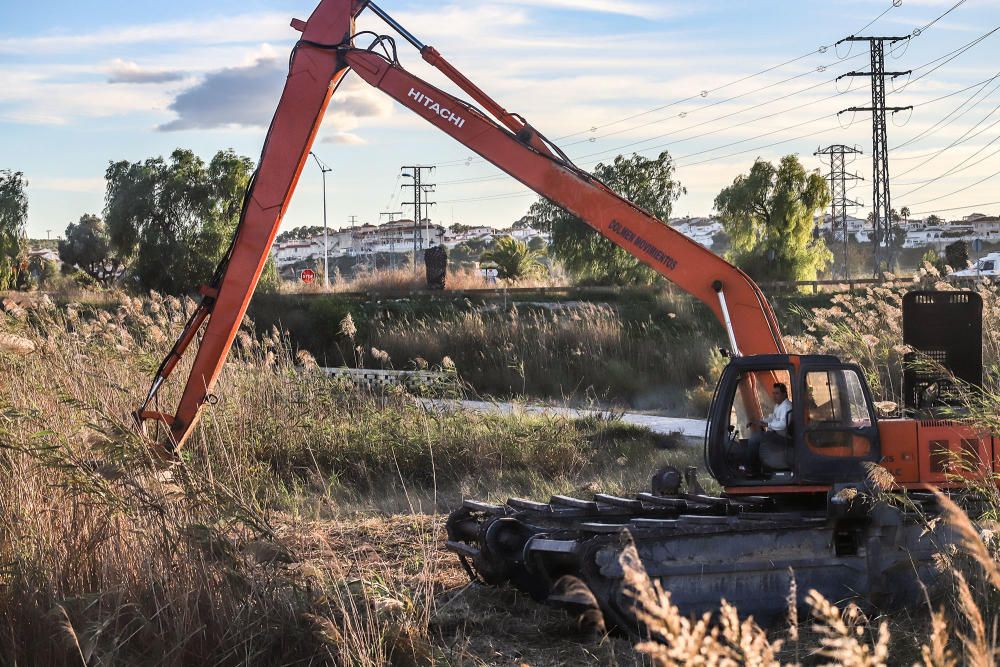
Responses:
[326,238]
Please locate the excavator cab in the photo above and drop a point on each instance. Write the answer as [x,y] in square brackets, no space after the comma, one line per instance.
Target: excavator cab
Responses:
[828,436]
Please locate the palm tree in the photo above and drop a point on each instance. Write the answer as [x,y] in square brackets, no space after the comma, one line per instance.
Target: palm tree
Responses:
[514,259]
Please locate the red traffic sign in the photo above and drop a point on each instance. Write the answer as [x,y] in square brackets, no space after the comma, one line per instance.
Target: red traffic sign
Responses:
[308,276]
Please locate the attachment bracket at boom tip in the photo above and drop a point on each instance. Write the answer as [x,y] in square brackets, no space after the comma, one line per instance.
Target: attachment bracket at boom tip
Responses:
[395,25]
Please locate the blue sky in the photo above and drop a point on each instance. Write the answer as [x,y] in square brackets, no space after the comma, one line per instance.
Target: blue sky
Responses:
[86,82]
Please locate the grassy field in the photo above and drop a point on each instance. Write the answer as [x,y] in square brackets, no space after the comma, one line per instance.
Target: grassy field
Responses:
[305,526]
[642,351]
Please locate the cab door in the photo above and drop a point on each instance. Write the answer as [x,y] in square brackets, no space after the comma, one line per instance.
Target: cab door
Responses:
[836,429]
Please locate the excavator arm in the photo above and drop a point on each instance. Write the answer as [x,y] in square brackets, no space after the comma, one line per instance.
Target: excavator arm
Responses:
[319,61]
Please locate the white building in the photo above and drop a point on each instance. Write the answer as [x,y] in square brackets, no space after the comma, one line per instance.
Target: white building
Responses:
[699,230]
[298,250]
[398,236]
[453,238]
[985,227]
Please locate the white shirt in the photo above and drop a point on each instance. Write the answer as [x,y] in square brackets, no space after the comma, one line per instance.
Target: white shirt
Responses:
[778,420]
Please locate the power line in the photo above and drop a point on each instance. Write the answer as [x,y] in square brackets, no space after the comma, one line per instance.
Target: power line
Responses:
[945,58]
[957,208]
[685,114]
[948,11]
[508,195]
[944,122]
[961,139]
[955,169]
[955,192]
[485,179]
[937,63]
[704,93]
[482,179]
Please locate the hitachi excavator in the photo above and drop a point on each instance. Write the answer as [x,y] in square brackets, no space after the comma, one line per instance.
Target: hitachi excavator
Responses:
[807,512]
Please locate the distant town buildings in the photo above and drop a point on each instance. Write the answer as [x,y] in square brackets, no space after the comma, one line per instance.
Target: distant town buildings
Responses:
[396,237]
[401,236]
[930,232]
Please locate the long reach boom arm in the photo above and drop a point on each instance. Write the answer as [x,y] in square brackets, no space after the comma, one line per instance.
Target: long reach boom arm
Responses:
[319,62]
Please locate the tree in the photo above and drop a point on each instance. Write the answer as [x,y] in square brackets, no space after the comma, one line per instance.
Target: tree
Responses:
[768,215]
[956,255]
[934,220]
[36,272]
[932,257]
[13,218]
[88,246]
[905,212]
[514,260]
[647,183]
[175,218]
[299,233]
[270,280]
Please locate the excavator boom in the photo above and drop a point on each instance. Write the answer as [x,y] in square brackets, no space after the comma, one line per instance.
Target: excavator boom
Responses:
[320,60]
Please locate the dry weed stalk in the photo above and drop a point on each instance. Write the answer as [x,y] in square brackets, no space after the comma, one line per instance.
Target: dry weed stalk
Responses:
[14,344]
[678,641]
[841,633]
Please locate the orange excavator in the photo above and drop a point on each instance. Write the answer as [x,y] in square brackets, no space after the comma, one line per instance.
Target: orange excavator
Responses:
[808,509]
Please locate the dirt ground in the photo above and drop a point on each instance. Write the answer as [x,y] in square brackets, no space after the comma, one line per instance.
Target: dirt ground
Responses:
[470,623]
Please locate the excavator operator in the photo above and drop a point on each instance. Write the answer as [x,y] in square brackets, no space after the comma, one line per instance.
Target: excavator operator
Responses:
[770,442]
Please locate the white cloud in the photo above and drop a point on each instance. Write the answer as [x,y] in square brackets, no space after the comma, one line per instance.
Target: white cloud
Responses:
[42,96]
[343,138]
[122,71]
[646,10]
[247,96]
[244,28]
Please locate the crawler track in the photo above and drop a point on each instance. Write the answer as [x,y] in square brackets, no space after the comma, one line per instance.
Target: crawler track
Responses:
[703,549]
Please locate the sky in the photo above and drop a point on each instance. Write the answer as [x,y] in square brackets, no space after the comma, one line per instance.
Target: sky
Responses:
[86,82]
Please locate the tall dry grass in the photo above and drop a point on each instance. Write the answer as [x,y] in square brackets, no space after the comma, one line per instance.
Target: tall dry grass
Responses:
[867,327]
[123,562]
[109,559]
[574,350]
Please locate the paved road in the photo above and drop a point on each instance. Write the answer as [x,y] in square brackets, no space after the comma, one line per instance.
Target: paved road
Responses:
[664,425]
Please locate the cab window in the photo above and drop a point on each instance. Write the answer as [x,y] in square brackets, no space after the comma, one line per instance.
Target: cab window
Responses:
[836,409]
[836,398]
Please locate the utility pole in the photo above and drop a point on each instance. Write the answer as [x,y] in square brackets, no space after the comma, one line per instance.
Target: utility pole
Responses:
[418,203]
[353,219]
[881,200]
[427,189]
[838,192]
[326,236]
[392,239]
